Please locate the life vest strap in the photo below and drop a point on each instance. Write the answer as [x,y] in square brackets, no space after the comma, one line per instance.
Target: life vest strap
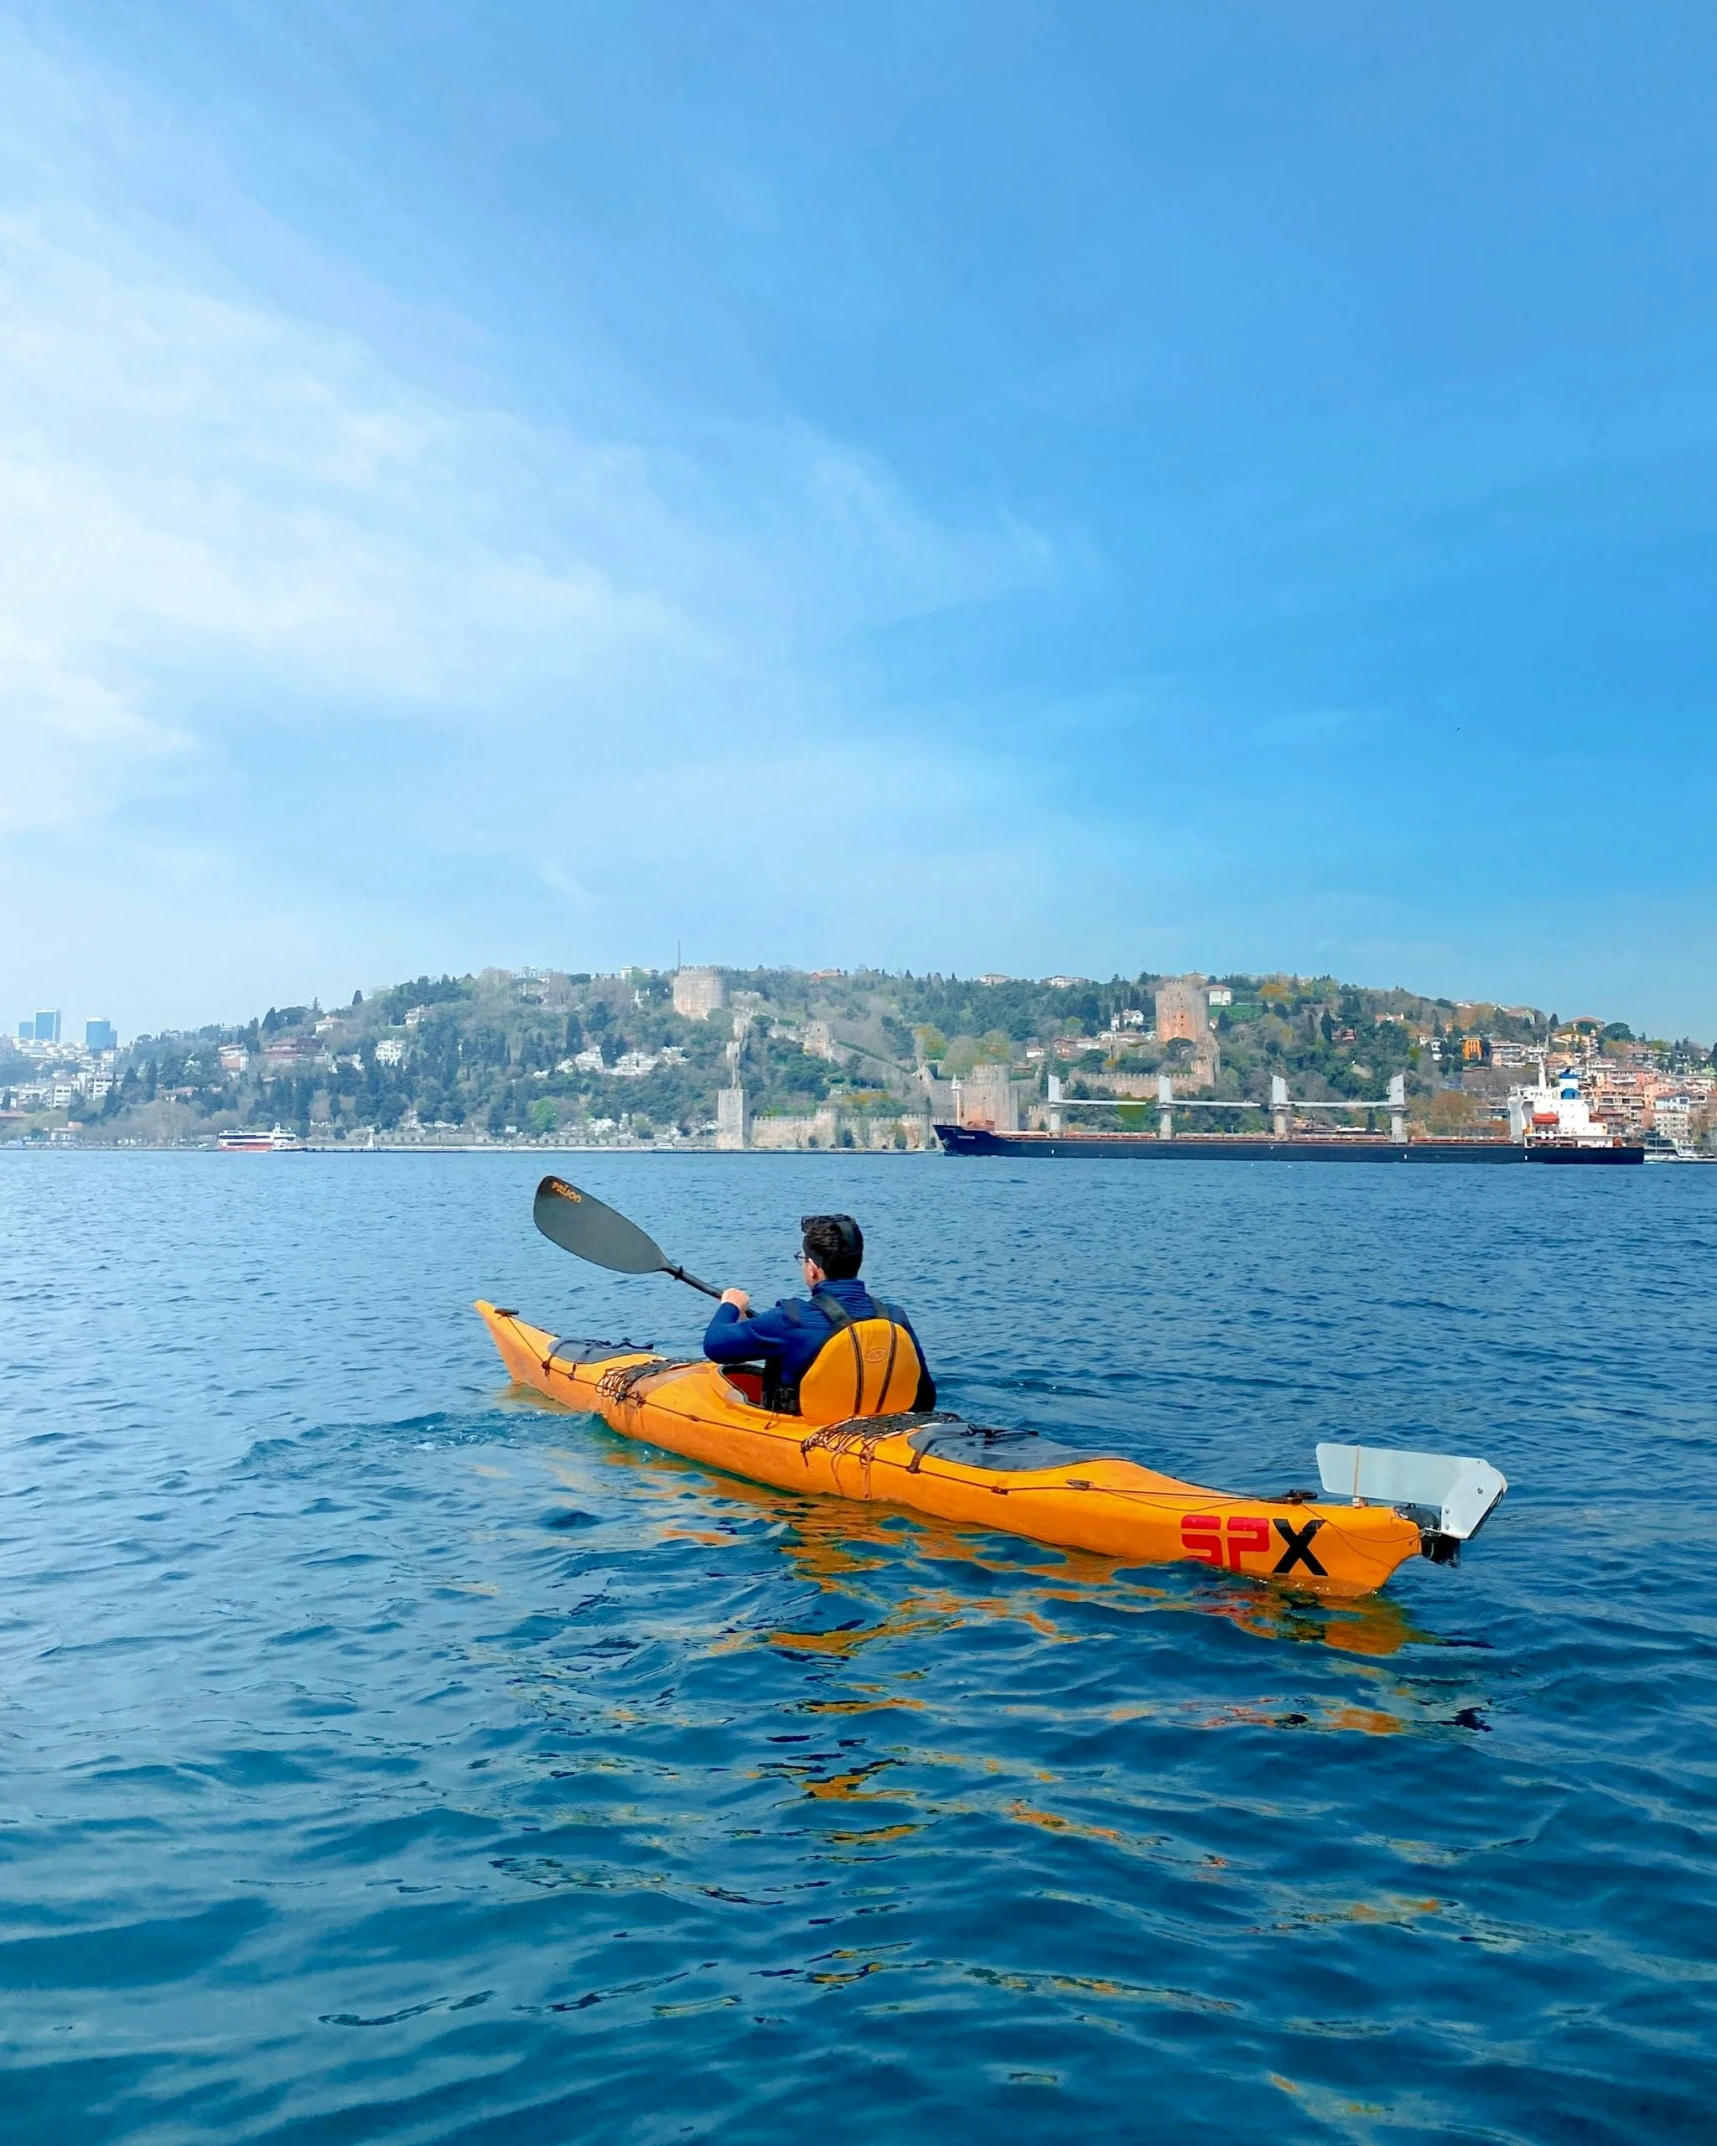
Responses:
[784,1395]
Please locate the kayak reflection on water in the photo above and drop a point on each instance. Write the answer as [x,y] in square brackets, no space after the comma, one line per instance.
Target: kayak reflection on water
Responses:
[836,1548]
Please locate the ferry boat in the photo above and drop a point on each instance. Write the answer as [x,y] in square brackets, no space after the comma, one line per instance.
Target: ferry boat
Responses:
[277,1142]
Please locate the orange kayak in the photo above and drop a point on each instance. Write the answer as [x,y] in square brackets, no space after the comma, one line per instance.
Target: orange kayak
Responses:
[1012,1482]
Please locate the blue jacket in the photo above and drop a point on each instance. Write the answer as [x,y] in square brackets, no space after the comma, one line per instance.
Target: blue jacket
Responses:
[788,1347]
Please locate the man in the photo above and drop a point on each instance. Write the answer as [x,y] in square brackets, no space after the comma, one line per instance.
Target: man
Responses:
[790,1338]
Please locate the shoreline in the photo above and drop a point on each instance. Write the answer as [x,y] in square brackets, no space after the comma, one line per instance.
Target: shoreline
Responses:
[439,1147]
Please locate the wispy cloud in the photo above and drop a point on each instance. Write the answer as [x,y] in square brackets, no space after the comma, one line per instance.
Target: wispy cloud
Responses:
[224,526]
[194,483]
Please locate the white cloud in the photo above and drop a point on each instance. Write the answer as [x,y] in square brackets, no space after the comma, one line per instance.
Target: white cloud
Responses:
[190,485]
[201,494]
[232,541]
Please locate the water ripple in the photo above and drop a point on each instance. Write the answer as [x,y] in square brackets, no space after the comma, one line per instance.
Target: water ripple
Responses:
[387,1754]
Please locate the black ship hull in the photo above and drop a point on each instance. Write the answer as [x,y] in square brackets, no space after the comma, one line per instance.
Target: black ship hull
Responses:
[1260,1147]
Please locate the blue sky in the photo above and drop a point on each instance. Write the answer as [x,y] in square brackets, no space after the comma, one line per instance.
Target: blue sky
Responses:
[946,486]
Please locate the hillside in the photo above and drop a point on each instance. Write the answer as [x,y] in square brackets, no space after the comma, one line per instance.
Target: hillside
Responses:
[553,1054]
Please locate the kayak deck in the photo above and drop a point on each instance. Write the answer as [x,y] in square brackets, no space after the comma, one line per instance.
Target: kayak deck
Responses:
[1011,1482]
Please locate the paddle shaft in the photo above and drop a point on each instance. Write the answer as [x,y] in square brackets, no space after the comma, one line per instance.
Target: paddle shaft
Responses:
[691,1281]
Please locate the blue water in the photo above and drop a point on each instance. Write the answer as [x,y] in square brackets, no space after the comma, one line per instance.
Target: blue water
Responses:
[386,1754]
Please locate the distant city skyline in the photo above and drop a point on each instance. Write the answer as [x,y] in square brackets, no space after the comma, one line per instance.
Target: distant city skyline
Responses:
[953,489]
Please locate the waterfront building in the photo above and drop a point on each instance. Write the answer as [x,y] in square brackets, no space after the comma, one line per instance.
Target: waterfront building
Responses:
[1672,1116]
[698,993]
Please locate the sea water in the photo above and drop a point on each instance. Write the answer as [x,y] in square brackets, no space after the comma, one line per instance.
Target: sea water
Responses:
[385,1753]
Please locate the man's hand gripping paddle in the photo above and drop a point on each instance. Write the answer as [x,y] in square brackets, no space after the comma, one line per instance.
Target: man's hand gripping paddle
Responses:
[579,1223]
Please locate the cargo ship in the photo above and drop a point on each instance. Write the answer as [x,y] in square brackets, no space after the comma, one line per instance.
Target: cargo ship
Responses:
[1549,1121]
[1264,1147]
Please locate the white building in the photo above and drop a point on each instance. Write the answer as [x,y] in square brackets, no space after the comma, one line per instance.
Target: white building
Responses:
[1672,1116]
[390,1051]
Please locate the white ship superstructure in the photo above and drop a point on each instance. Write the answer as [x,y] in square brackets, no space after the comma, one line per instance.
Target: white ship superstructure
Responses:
[1554,1109]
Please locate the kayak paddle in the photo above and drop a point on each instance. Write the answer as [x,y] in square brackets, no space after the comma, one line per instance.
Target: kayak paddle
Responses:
[581,1224]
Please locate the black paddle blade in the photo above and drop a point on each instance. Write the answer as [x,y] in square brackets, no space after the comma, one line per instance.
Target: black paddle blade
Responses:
[580,1223]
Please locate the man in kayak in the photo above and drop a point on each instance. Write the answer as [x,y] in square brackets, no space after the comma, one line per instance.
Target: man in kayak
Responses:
[789,1338]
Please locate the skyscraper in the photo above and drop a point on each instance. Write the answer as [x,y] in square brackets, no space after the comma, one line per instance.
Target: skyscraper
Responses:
[100,1036]
[47,1028]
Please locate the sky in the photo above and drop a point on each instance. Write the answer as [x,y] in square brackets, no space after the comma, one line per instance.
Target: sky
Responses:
[1213,486]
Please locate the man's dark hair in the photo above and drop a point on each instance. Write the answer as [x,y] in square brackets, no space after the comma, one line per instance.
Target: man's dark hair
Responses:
[836,1243]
